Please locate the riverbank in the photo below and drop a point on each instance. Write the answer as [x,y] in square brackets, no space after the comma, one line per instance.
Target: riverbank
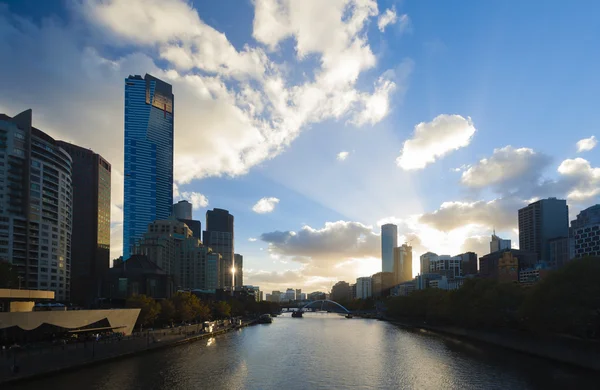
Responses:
[54,360]
[563,349]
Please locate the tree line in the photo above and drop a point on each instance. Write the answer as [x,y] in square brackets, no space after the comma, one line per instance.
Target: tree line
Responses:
[186,307]
[566,301]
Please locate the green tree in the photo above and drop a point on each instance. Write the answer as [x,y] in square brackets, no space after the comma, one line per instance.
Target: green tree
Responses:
[150,309]
[9,276]
[188,307]
[222,309]
[167,311]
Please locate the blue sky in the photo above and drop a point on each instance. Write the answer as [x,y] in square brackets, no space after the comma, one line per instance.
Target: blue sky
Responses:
[503,90]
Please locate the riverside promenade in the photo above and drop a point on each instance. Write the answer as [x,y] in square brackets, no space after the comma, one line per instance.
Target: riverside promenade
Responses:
[34,362]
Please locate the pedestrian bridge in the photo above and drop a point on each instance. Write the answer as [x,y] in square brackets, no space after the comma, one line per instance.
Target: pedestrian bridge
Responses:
[325,304]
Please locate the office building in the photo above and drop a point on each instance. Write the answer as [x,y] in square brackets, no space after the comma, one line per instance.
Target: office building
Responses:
[182,210]
[148,184]
[290,295]
[498,244]
[340,291]
[219,236]
[469,263]
[171,245]
[381,283]
[445,265]
[402,264]
[425,260]
[90,241]
[239,270]
[585,233]
[36,198]
[137,275]
[298,294]
[559,253]
[489,264]
[540,222]
[364,288]
[389,241]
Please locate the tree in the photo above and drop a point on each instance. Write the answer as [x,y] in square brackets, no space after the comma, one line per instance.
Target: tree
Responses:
[222,309]
[9,276]
[167,311]
[150,309]
[188,307]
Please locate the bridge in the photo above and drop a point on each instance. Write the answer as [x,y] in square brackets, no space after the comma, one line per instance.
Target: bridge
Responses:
[319,305]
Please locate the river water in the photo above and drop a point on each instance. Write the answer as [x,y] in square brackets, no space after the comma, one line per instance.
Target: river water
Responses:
[326,351]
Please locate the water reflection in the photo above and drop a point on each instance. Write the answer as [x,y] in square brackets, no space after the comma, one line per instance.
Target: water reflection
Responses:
[326,352]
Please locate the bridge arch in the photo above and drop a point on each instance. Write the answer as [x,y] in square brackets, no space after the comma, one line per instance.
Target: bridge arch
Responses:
[324,301]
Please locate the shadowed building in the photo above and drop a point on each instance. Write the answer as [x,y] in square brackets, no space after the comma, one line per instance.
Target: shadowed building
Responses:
[402,264]
[498,265]
[219,237]
[541,221]
[381,283]
[148,184]
[585,233]
[239,272]
[90,241]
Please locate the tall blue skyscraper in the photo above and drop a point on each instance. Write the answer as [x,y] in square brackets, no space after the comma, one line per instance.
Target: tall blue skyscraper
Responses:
[389,240]
[148,189]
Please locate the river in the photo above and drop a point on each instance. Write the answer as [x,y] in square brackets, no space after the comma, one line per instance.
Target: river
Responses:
[325,351]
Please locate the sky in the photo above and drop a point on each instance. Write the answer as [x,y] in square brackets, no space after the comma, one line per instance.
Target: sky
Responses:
[314,122]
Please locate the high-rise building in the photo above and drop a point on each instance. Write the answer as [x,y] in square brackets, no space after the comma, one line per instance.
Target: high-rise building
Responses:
[36,198]
[389,241]
[363,288]
[402,264]
[219,236]
[541,221]
[381,283]
[90,241]
[298,294]
[290,295]
[585,233]
[469,263]
[148,184]
[182,210]
[559,253]
[426,259]
[498,244]
[490,264]
[171,245]
[239,270]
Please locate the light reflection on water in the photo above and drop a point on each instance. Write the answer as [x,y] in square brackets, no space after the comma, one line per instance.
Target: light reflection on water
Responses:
[326,352]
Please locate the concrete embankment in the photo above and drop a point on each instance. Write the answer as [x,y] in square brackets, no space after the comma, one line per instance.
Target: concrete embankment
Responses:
[39,362]
[564,349]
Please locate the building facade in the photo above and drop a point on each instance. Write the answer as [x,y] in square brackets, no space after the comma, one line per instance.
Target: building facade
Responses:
[182,210]
[364,288]
[149,134]
[489,265]
[340,291]
[36,198]
[90,248]
[559,253]
[584,234]
[469,263]
[220,237]
[402,264]
[389,241]
[381,283]
[425,261]
[541,221]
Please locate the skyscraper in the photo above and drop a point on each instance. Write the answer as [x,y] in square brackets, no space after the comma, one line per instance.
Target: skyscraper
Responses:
[219,236]
[239,271]
[90,241]
[148,189]
[35,206]
[182,210]
[402,264]
[389,240]
[498,244]
[540,222]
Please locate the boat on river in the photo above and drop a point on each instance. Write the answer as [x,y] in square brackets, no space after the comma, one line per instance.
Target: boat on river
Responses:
[265,319]
[297,314]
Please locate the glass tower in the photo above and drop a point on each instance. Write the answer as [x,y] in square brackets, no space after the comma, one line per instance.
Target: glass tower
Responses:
[148,187]
[389,240]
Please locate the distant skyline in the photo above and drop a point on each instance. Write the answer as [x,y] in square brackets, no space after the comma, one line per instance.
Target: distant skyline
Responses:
[316,122]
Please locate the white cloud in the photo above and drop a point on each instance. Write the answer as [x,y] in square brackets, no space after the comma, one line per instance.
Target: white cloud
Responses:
[506,169]
[252,239]
[265,205]
[386,18]
[580,178]
[586,144]
[405,24]
[341,156]
[195,198]
[435,139]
